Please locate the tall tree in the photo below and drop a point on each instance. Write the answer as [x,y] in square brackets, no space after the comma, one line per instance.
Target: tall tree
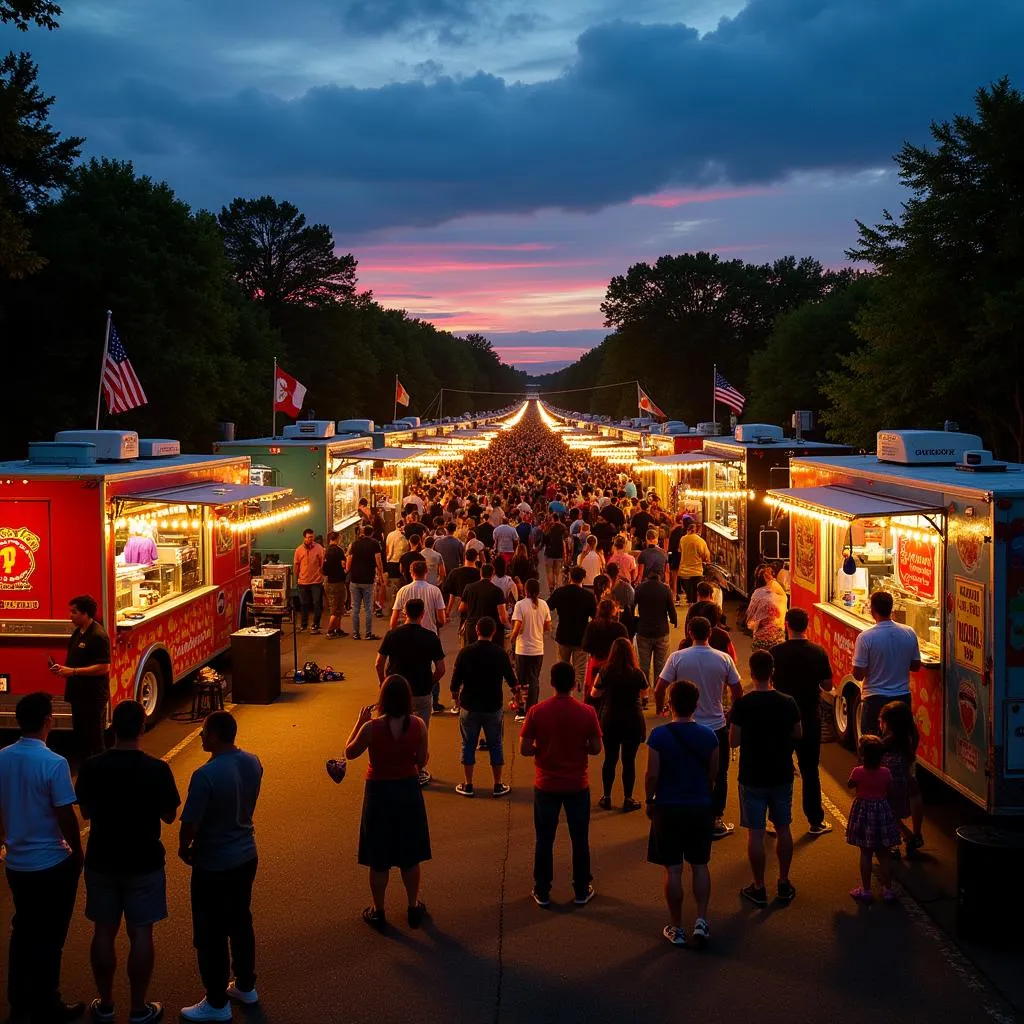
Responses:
[278,258]
[34,159]
[943,338]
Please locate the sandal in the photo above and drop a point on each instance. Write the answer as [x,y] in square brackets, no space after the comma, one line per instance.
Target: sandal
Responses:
[375,918]
[416,914]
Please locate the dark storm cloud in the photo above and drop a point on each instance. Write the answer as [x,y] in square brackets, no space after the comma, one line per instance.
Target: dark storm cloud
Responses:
[383,17]
[785,86]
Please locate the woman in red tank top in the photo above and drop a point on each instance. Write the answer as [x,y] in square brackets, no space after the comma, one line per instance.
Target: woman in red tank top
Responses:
[393,830]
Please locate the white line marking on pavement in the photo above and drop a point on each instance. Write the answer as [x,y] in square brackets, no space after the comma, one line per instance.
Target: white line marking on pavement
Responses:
[956,960]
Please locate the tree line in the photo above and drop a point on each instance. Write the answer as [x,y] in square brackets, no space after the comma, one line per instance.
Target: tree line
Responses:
[202,301]
[934,331]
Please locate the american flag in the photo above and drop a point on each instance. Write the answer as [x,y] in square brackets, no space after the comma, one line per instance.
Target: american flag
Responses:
[120,385]
[728,395]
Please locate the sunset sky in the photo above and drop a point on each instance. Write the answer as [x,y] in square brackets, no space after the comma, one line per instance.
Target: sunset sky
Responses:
[492,163]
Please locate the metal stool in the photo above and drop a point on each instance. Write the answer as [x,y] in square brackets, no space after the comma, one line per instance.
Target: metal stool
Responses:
[207,697]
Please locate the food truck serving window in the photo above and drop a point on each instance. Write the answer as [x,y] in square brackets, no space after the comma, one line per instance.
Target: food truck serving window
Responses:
[726,495]
[159,554]
[899,554]
[349,483]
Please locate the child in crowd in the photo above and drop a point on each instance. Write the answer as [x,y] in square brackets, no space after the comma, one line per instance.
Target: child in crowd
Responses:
[872,825]
[900,738]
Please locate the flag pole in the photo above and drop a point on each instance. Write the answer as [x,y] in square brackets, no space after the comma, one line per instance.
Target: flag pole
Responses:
[638,409]
[394,415]
[714,395]
[273,402]
[103,364]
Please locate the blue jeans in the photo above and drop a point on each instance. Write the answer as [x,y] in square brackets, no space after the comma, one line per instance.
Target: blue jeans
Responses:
[311,598]
[470,724]
[547,807]
[362,597]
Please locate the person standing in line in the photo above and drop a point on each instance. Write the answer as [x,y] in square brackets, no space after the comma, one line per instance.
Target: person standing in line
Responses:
[872,826]
[505,539]
[653,559]
[561,733]
[682,766]
[458,579]
[414,554]
[484,597]
[802,670]
[590,560]
[601,632]
[309,576]
[87,676]
[450,548]
[556,542]
[765,725]
[218,841]
[575,606]
[365,567]
[415,653]
[714,673]
[618,692]
[44,861]
[393,831]
[654,610]
[766,611]
[694,554]
[531,619]
[433,600]
[479,671]
[124,794]
[435,563]
[621,592]
[884,655]
[395,545]
[624,560]
[335,585]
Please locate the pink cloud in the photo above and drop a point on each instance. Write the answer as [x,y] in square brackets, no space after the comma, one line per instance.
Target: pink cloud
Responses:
[457,247]
[462,267]
[540,353]
[670,199]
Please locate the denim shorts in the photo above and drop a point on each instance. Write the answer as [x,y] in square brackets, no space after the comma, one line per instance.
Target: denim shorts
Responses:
[758,803]
[140,899]
[471,723]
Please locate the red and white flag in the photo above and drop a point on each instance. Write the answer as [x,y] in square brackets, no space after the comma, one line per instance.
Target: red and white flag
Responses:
[646,405]
[121,387]
[289,394]
[401,395]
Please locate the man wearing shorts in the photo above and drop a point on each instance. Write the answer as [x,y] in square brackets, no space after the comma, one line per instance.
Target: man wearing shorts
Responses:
[765,726]
[682,765]
[125,793]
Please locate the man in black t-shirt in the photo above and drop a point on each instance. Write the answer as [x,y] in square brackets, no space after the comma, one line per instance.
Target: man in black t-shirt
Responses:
[86,675]
[335,585]
[614,515]
[365,566]
[124,794]
[576,606]
[413,527]
[415,652]
[458,579]
[803,671]
[414,554]
[480,599]
[554,552]
[765,724]
[604,531]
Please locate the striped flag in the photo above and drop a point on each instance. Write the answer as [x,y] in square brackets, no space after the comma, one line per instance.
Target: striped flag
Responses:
[728,395]
[120,385]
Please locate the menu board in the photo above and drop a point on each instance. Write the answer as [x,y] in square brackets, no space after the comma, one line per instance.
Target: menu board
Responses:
[915,564]
[969,620]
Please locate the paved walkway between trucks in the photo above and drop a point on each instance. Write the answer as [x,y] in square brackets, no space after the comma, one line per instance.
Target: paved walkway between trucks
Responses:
[487,953]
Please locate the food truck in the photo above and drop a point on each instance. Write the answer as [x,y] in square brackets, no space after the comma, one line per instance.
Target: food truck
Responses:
[159,539]
[735,519]
[936,521]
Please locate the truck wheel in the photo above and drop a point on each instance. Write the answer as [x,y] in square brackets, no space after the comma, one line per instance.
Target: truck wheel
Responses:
[844,711]
[152,685]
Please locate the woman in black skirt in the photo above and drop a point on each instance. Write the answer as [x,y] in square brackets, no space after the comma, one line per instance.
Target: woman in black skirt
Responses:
[393,831]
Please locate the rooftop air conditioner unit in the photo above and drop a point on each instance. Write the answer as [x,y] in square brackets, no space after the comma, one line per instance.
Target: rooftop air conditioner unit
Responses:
[111,445]
[978,460]
[759,433]
[309,428]
[158,448]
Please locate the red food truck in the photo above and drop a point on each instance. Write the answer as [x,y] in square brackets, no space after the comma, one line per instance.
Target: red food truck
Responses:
[159,539]
[934,520]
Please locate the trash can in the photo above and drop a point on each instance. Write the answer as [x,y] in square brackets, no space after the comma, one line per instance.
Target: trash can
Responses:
[256,665]
[989,897]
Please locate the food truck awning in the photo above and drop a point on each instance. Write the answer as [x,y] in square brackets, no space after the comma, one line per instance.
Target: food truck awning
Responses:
[385,454]
[846,503]
[208,493]
[684,459]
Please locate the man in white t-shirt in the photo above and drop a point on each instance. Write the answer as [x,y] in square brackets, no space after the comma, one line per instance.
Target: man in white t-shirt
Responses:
[505,539]
[883,657]
[431,596]
[590,561]
[531,619]
[713,672]
[44,861]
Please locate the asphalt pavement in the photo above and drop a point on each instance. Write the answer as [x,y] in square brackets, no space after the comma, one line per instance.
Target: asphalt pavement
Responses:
[487,953]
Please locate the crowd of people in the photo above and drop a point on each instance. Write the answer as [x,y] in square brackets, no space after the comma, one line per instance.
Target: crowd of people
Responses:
[471,547]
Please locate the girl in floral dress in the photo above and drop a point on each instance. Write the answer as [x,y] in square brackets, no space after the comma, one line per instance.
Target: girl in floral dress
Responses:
[872,827]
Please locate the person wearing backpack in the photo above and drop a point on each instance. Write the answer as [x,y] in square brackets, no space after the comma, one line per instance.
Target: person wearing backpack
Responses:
[682,766]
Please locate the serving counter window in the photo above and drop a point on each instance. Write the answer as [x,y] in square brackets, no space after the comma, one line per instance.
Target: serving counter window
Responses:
[726,494]
[348,483]
[159,555]
[901,555]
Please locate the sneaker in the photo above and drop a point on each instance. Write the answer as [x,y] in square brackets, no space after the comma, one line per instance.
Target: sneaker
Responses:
[152,1013]
[501,789]
[631,805]
[204,1011]
[438,709]
[465,789]
[701,933]
[605,803]
[786,891]
[482,745]
[769,829]
[757,894]
[582,899]
[101,1014]
[415,914]
[821,829]
[674,935]
[541,898]
[240,995]
[454,709]
[62,1012]
[315,631]
[722,828]
[520,718]
[424,778]
[371,636]
[356,636]
[301,629]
